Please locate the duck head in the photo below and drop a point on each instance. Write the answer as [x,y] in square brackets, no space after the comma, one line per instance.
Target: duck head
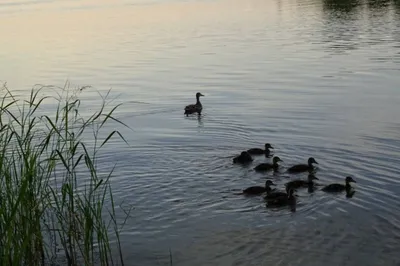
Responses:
[276,159]
[268,146]
[269,183]
[350,179]
[311,160]
[198,95]
[291,192]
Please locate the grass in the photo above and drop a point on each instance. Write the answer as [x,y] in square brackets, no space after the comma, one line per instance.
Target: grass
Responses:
[54,202]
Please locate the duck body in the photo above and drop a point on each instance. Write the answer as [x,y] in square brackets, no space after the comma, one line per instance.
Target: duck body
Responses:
[194,108]
[259,151]
[268,166]
[340,187]
[303,167]
[243,158]
[289,199]
[298,183]
[256,190]
[273,195]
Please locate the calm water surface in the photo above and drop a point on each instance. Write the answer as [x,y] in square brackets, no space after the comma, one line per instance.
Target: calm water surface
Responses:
[312,77]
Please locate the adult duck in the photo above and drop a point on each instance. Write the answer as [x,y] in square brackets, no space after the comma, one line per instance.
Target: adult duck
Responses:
[194,108]
[243,158]
[259,151]
[269,166]
[256,190]
[340,187]
[299,183]
[298,168]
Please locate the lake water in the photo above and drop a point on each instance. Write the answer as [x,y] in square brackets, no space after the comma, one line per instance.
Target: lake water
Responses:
[312,77]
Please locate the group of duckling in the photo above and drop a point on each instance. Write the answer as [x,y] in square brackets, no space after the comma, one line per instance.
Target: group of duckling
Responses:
[273,197]
[276,198]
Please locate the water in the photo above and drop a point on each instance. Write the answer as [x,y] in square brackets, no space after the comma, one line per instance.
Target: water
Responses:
[313,78]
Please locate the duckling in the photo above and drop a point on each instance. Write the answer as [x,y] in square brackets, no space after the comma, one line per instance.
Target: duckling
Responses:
[303,167]
[340,187]
[258,151]
[243,158]
[268,166]
[194,108]
[255,190]
[272,195]
[290,200]
[298,183]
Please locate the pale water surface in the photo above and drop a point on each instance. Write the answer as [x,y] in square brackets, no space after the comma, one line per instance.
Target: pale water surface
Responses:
[312,77]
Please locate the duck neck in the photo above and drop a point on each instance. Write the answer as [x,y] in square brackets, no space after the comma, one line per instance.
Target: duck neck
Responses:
[198,99]
[348,186]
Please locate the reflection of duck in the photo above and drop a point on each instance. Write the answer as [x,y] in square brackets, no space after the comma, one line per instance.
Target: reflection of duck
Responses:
[268,166]
[194,108]
[340,187]
[290,200]
[243,158]
[303,167]
[255,190]
[258,151]
[298,183]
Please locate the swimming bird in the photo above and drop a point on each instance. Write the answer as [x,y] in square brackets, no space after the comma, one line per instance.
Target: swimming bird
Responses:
[303,167]
[268,166]
[272,195]
[259,151]
[290,200]
[340,187]
[194,108]
[243,158]
[298,183]
[255,190]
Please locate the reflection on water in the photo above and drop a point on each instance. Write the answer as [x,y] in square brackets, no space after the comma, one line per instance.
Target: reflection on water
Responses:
[312,77]
[340,7]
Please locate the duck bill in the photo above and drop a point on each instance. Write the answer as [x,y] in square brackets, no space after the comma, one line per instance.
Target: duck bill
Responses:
[201,94]
[353,181]
[315,178]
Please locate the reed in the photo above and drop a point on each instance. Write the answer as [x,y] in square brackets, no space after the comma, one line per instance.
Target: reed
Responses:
[54,202]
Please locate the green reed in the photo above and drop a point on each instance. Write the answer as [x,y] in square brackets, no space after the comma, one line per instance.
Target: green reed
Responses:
[52,196]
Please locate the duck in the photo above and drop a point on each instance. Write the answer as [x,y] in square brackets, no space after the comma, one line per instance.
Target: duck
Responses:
[299,183]
[272,195]
[194,108]
[340,187]
[290,200]
[298,168]
[256,190]
[259,151]
[268,166]
[243,158]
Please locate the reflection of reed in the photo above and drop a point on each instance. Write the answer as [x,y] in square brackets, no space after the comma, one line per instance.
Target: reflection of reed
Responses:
[341,21]
[343,6]
[349,6]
